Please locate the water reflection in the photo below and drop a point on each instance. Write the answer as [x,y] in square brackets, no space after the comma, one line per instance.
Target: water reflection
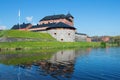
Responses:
[55,70]
[63,57]
[58,65]
[76,64]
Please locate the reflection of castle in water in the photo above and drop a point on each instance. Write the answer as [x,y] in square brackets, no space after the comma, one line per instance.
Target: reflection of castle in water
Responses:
[67,56]
[61,64]
[47,68]
[55,70]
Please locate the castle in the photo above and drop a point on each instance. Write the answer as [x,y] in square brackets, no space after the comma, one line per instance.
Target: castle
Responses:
[61,27]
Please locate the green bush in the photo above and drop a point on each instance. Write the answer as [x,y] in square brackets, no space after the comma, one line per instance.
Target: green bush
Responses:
[103,44]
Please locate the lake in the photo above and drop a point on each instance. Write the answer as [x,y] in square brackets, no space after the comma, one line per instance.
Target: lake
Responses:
[74,64]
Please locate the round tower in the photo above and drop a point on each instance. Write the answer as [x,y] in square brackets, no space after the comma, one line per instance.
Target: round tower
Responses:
[62,32]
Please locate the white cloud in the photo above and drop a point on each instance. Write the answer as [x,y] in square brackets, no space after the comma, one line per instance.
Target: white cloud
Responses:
[2,27]
[29,18]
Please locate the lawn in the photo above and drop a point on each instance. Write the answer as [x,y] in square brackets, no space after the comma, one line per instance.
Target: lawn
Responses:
[26,35]
[46,45]
[45,41]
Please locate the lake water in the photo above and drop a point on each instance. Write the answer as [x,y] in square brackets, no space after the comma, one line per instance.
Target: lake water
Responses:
[76,64]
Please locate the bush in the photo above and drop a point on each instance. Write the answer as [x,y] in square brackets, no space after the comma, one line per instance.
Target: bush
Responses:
[103,44]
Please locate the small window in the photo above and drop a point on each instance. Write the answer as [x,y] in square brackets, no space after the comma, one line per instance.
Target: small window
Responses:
[61,39]
[55,33]
[68,33]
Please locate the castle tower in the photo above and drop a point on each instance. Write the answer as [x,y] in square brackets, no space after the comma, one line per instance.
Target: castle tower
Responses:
[71,18]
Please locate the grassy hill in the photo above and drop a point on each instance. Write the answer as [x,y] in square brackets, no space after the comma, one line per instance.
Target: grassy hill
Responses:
[37,40]
[26,34]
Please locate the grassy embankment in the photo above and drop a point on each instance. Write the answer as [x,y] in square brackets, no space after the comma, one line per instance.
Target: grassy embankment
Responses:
[45,41]
[26,35]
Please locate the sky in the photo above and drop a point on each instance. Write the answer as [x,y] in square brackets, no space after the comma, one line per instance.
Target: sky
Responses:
[92,17]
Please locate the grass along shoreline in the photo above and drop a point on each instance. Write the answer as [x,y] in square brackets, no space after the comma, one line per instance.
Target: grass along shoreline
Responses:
[36,40]
[46,45]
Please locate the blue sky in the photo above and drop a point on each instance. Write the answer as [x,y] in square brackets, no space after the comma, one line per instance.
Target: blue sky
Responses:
[93,17]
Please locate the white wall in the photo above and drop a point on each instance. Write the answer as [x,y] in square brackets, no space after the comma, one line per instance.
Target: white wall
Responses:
[63,35]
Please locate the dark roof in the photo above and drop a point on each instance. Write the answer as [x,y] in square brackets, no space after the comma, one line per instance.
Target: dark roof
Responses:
[37,30]
[54,17]
[61,25]
[43,25]
[22,26]
[69,15]
[81,34]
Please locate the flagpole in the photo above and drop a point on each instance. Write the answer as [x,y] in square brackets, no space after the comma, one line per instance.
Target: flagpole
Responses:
[19,18]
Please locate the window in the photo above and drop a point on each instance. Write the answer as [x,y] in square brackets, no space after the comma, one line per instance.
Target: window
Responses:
[61,39]
[68,33]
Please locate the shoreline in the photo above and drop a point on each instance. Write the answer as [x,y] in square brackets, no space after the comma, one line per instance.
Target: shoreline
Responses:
[46,45]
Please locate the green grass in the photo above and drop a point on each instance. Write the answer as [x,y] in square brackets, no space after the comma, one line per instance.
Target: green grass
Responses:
[47,45]
[43,41]
[26,34]
[1,33]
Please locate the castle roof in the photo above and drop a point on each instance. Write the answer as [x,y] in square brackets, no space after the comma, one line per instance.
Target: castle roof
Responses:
[69,15]
[81,34]
[50,26]
[21,26]
[54,17]
[43,25]
[60,25]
